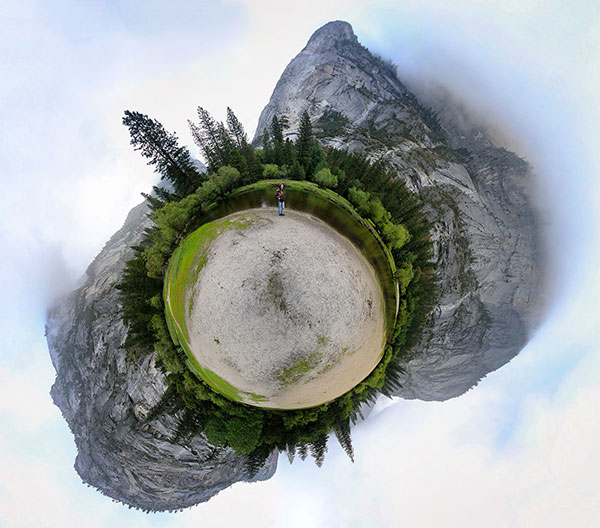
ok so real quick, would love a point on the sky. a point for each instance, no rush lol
(517, 450)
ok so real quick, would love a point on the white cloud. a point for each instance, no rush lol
(24, 400)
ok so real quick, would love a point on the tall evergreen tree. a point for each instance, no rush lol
(167, 402)
(276, 131)
(303, 451)
(318, 448)
(154, 202)
(278, 144)
(210, 138)
(236, 129)
(305, 141)
(342, 433)
(228, 147)
(255, 169)
(171, 161)
(136, 287)
(251, 169)
(164, 194)
(256, 460)
(266, 147)
(289, 153)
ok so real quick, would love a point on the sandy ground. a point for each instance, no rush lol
(287, 309)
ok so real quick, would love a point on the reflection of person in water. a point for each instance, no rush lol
(280, 195)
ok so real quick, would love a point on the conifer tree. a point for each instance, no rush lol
(254, 167)
(290, 451)
(276, 131)
(316, 161)
(256, 460)
(136, 287)
(289, 153)
(318, 448)
(278, 145)
(266, 147)
(297, 171)
(171, 161)
(211, 139)
(226, 143)
(153, 201)
(302, 451)
(305, 141)
(164, 194)
(236, 129)
(166, 403)
(342, 433)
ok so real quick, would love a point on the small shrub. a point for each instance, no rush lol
(359, 199)
(272, 171)
(326, 179)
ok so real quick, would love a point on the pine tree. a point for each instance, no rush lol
(171, 161)
(226, 143)
(237, 130)
(255, 170)
(394, 374)
(154, 202)
(267, 148)
(316, 162)
(278, 145)
(290, 451)
(188, 425)
(297, 171)
(302, 451)
(256, 460)
(136, 288)
(276, 131)
(342, 433)
(289, 153)
(305, 141)
(166, 403)
(165, 195)
(318, 448)
(211, 138)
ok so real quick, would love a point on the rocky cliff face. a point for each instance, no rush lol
(477, 196)
(105, 398)
(487, 252)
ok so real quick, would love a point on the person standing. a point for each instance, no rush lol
(280, 195)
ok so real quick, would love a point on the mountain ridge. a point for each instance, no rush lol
(478, 196)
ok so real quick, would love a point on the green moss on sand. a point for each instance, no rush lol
(185, 265)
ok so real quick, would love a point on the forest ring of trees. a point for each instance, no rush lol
(190, 257)
(374, 193)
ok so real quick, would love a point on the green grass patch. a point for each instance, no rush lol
(184, 266)
(298, 367)
(322, 340)
(182, 274)
(254, 397)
